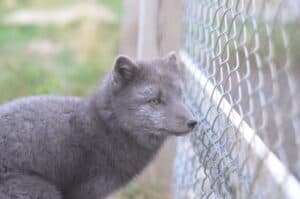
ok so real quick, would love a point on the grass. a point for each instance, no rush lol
(114, 5)
(88, 50)
(138, 191)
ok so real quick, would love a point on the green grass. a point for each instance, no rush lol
(86, 56)
(139, 191)
(115, 5)
(18, 81)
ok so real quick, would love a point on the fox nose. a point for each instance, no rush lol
(191, 124)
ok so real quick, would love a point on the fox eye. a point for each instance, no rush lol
(155, 101)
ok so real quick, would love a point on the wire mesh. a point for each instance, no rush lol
(239, 59)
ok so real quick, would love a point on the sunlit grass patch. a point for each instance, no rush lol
(140, 191)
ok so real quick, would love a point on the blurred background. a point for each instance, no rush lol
(56, 46)
(65, 47)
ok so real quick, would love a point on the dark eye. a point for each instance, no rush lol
(154, 101)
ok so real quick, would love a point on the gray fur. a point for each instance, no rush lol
(75, 148)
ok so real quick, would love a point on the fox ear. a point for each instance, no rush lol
(171, 57)
(124, 69)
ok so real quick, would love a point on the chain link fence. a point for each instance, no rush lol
(240, 60)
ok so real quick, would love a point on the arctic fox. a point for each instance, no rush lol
(86, 148)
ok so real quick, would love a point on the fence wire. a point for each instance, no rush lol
(240, 62)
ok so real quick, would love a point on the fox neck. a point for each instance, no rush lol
(131, 151)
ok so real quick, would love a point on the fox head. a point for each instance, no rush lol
(147, 97)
